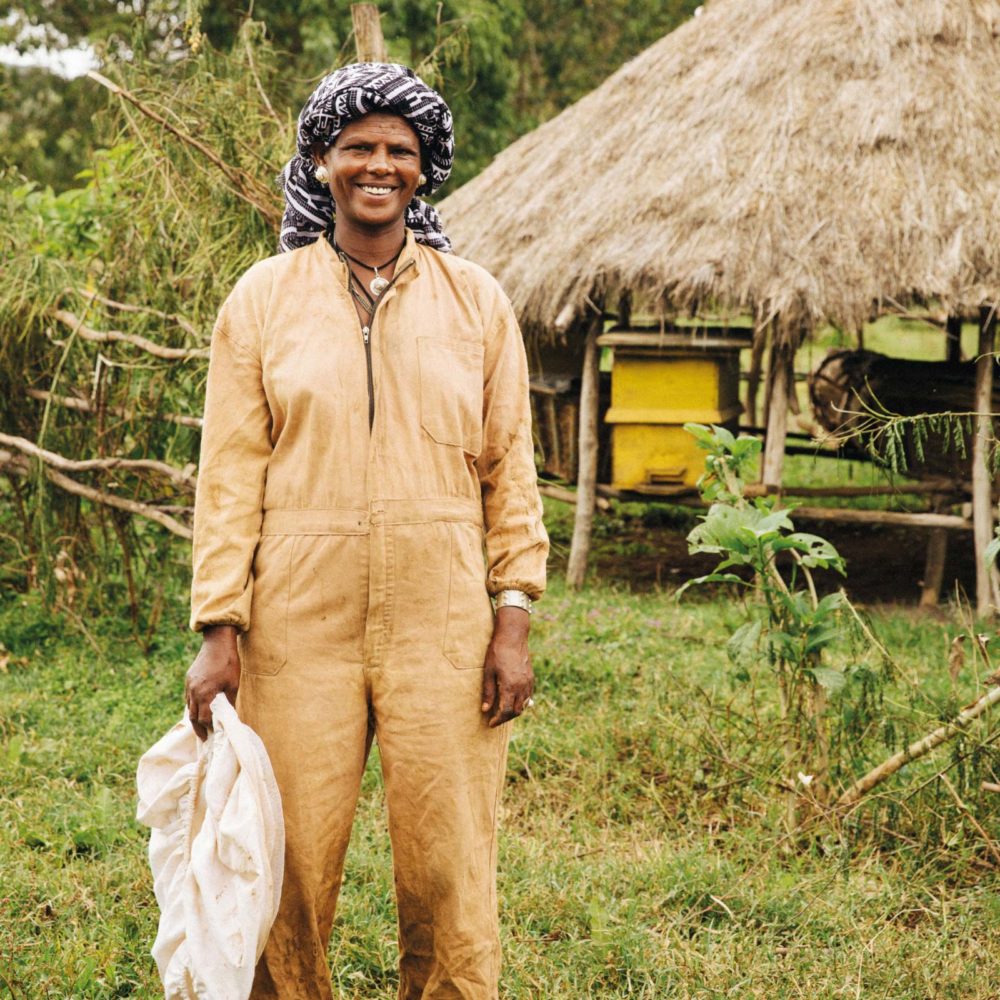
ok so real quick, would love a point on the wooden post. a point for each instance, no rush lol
(982, 476)
(937, 553)
(368, 39)
(953, 339)
(753, 375)
(777, 416)
(586, 484)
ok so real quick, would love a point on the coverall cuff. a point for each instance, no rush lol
(532, 589)
(199, 625)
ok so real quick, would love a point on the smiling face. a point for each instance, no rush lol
(374, 168)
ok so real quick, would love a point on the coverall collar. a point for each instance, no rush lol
(407, 266)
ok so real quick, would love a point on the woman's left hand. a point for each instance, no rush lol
(508, 679)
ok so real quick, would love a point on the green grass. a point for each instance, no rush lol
(641, 850)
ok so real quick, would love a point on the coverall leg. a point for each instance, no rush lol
(442, 764)
(408, 657)
(303, 690)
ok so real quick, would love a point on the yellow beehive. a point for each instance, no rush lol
(654, 392)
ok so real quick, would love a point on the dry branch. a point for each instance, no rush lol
(17, 465)
(185, 478)
(852, 516)
(247, 187)
(920, 748)
(186, 325)
(569, 496)
(85, 406)
(81, 329)
(967, 813)
(931, 486)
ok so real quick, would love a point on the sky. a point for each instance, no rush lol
(65, 61)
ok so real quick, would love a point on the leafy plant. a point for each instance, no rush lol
(789, 626)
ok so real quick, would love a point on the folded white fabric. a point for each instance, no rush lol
(217, 853)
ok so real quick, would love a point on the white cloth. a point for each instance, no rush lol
(217, 853)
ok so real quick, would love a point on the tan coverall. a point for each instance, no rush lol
(346, 483)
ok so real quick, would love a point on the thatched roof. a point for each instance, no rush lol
(808, 160)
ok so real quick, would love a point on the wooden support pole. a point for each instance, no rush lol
(953, 339)
(368, 38)
(937, 553)
(753, 376)
(777, 418)
(586, 486)
(982, 476)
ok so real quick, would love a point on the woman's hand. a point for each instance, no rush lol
(508, 679)
(216, 668)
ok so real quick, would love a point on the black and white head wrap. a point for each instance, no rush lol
(345, 96)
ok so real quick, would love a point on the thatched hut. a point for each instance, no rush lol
(801, 161)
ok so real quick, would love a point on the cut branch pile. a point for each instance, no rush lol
(20, 466)
(109, 291)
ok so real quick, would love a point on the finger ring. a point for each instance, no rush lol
(530, 703)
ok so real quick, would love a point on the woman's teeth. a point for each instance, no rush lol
(368, 189)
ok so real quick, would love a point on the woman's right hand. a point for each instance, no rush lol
(216, 669)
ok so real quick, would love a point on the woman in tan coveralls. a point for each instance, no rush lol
(366, 427)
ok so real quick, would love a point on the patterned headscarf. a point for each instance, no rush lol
(341, 98)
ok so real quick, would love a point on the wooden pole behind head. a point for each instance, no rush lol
(368, 38)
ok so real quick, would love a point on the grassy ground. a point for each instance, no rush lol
(642, 853)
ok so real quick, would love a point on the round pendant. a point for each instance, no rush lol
(378, 285)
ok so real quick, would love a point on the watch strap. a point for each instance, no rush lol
(513, 599)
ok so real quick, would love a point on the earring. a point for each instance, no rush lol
(421, 180)
(322, 174)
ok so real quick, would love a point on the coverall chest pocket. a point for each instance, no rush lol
(264, 647)
(451, 392)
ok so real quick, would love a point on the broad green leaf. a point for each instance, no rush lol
(772, 522)
(721, 531)
(711, 578)
(784, 646)
(819, 637)
(702, 434)
(832, 602)
(724, 437)
(746, 448)
(827, 677)
(742, 645)
(817, 552)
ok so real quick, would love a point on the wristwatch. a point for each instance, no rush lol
(513, 599)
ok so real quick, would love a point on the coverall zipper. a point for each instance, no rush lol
(366, 336)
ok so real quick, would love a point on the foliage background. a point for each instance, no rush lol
(504, 65)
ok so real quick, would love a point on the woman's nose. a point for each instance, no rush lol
(379, 162)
